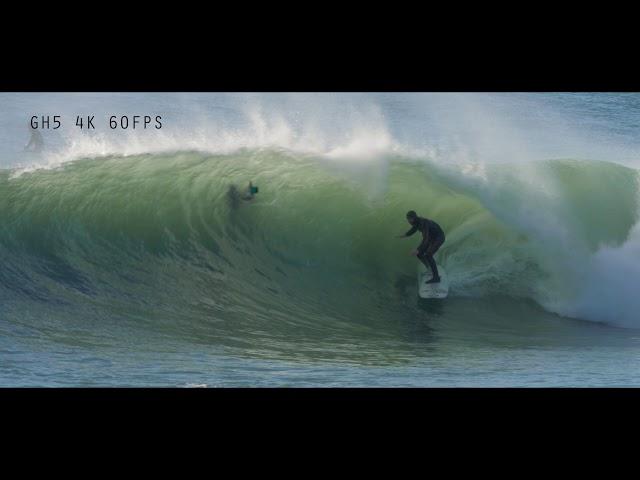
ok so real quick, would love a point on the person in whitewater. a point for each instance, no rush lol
(36, 142)
(432, 240)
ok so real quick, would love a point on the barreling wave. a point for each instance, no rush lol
(167, 239)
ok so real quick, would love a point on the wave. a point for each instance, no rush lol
(167, 239)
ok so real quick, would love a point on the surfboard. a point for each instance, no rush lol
(432, 290)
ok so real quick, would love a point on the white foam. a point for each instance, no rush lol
(362, 138)
(609, 290)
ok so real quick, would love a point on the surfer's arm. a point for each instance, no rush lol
(413, 230)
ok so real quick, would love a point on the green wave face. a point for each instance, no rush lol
(168, 241)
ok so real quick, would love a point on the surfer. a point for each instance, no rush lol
(35, 142)
(234, 195)
(251, 191)
(432, 240)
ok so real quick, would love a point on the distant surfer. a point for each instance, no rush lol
(432, 240)
(251, 191)
(234, 196)
(36, 142)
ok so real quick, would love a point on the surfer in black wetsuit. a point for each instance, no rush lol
(432, 239)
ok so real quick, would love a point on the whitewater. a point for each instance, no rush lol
(129, 257)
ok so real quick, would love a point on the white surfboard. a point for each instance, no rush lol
(432, 290)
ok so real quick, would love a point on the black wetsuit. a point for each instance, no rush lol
(432, 238)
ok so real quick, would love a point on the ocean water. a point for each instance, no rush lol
(129, 258)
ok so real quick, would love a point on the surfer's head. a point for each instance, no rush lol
(411, 216)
